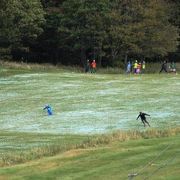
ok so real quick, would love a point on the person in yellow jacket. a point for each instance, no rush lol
(135, 67)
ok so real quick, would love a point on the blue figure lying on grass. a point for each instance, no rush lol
(49, 109)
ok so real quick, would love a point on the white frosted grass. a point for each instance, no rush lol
(29, 75)
(67, 85)
(92, 121)
(7, 82)
(162, 114)
(107, 92)
(8, 95)
(86, 103)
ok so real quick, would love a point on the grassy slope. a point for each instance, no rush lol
(16, 148)
(86, 103)
(152, 93)
(114, 161)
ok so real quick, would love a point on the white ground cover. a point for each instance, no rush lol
(87, 103)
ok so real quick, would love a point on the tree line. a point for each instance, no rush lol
(71, 31)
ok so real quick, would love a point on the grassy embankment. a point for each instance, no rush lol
(82, 156)
(18, 148)
(107, 157)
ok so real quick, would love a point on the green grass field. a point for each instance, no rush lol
(86, 103)
(150, 159)
(85, 106)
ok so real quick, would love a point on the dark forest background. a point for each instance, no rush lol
(69, 32)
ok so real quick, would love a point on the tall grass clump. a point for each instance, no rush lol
(11, 68)
(27, 66)
(35, 153)
(129, 135)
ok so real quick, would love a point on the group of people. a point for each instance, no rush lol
(136, 67)
(90, 66)
(139, 67)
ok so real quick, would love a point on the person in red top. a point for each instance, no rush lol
(93, 66)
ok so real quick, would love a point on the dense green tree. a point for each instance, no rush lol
(124, 28)
(161, 36)
(20, 22)
(175, 20)
(140, 27)
(49, 42)
(74, 30)
(82, 25)
(174, 7)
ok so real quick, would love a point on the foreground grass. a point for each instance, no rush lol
(18, 148)
(156, 158)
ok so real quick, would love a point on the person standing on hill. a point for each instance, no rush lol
(93, 66)
(164, 67)
(128, 68)
(143, 118)
(87, 68)
(135, 66)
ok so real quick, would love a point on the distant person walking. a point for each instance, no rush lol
(135, 66)
(164, 67)
(143, 118)
(128, 68)
(93, 66)
(87, 68)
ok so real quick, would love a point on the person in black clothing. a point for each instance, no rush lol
(164, 67)
(143, 118)
(87, 68)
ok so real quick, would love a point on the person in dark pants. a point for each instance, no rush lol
(164, 67)
(128, 68)
(93, 66)
(143, 118)
(87, 68)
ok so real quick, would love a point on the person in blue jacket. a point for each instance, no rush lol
(49, 109)
(128, 68)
